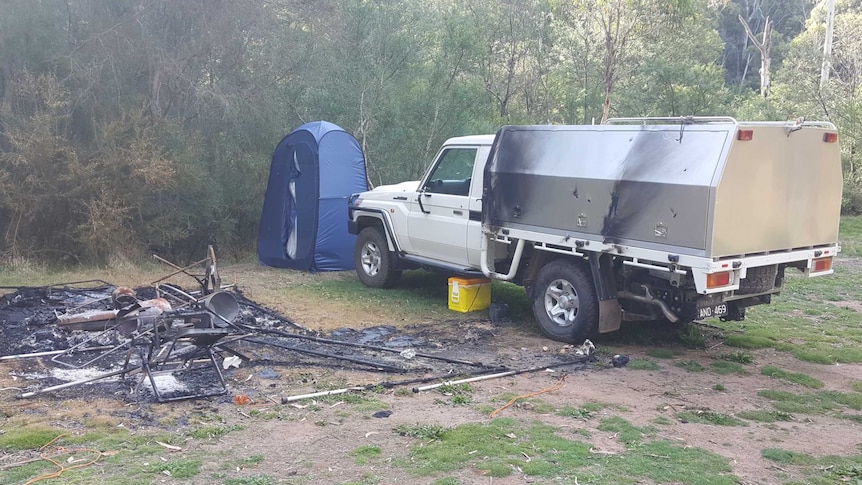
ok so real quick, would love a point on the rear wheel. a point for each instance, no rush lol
(374, 262)
(565, 302)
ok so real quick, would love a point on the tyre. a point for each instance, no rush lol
(758, 280)
(565, 302)
(374, 262)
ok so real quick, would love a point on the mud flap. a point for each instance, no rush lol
(610, 312)
(610, 315)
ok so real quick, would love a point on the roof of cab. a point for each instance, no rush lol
(471, 140)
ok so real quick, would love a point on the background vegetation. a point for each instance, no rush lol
(134, 126)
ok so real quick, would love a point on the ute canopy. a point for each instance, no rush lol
(304, 221)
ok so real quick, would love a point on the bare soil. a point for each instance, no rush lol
(312, 441)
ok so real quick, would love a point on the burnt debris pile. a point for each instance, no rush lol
(163, 342)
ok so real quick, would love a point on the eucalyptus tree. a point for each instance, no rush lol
(680, 74)
(741, 56)
(622, 30)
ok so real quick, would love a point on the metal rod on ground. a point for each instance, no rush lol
(418, 380)
(364, 346)
(494, 376)
(77, 383)
(286, 400)
(52, 352)
(375, 365)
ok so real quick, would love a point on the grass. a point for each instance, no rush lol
(739, 357)
(817, 470)
(28, 438)
(253, 480)
(625, 431)
(724, 367)
(179, 468)
(691, 365)
(709, 417)
(421, 431)
(802, 379)
(214, 431)
(769, 416)
(502, 447)
(460, 394)
(126, 458)
(821, 402)
(364, 454)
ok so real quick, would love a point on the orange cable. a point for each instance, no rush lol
(555, 387)
(61, 451)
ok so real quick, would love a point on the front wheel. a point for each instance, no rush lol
(374, 262)
(565, 302)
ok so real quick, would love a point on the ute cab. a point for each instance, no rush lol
(436, 221)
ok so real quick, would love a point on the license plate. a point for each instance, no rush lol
(712, 311)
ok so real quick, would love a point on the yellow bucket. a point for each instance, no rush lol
(469, 294)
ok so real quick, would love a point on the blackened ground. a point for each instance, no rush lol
(263, 338)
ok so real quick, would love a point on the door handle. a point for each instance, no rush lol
(457, 212)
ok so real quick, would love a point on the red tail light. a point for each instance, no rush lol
(830, 137)
(744, 135)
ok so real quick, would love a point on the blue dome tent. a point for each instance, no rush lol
(304, 221)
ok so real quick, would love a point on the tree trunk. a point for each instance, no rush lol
(764, 47)
(827, 44)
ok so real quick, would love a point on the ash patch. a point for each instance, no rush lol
(385, 335)
(28, 315)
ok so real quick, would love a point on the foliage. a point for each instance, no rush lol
(143, 126)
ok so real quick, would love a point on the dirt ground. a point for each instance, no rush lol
(311, 442)
(308, 444)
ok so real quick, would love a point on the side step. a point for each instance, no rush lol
(448, 267)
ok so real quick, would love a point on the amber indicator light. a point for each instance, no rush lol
(822, 264)
(716, 280)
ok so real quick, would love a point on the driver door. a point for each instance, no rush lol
(440, 211)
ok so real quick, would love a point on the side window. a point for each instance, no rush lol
(452, 173)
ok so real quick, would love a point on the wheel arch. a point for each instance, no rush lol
(538, 260)
(369, 218)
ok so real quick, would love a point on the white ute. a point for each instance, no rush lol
(642, 218)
